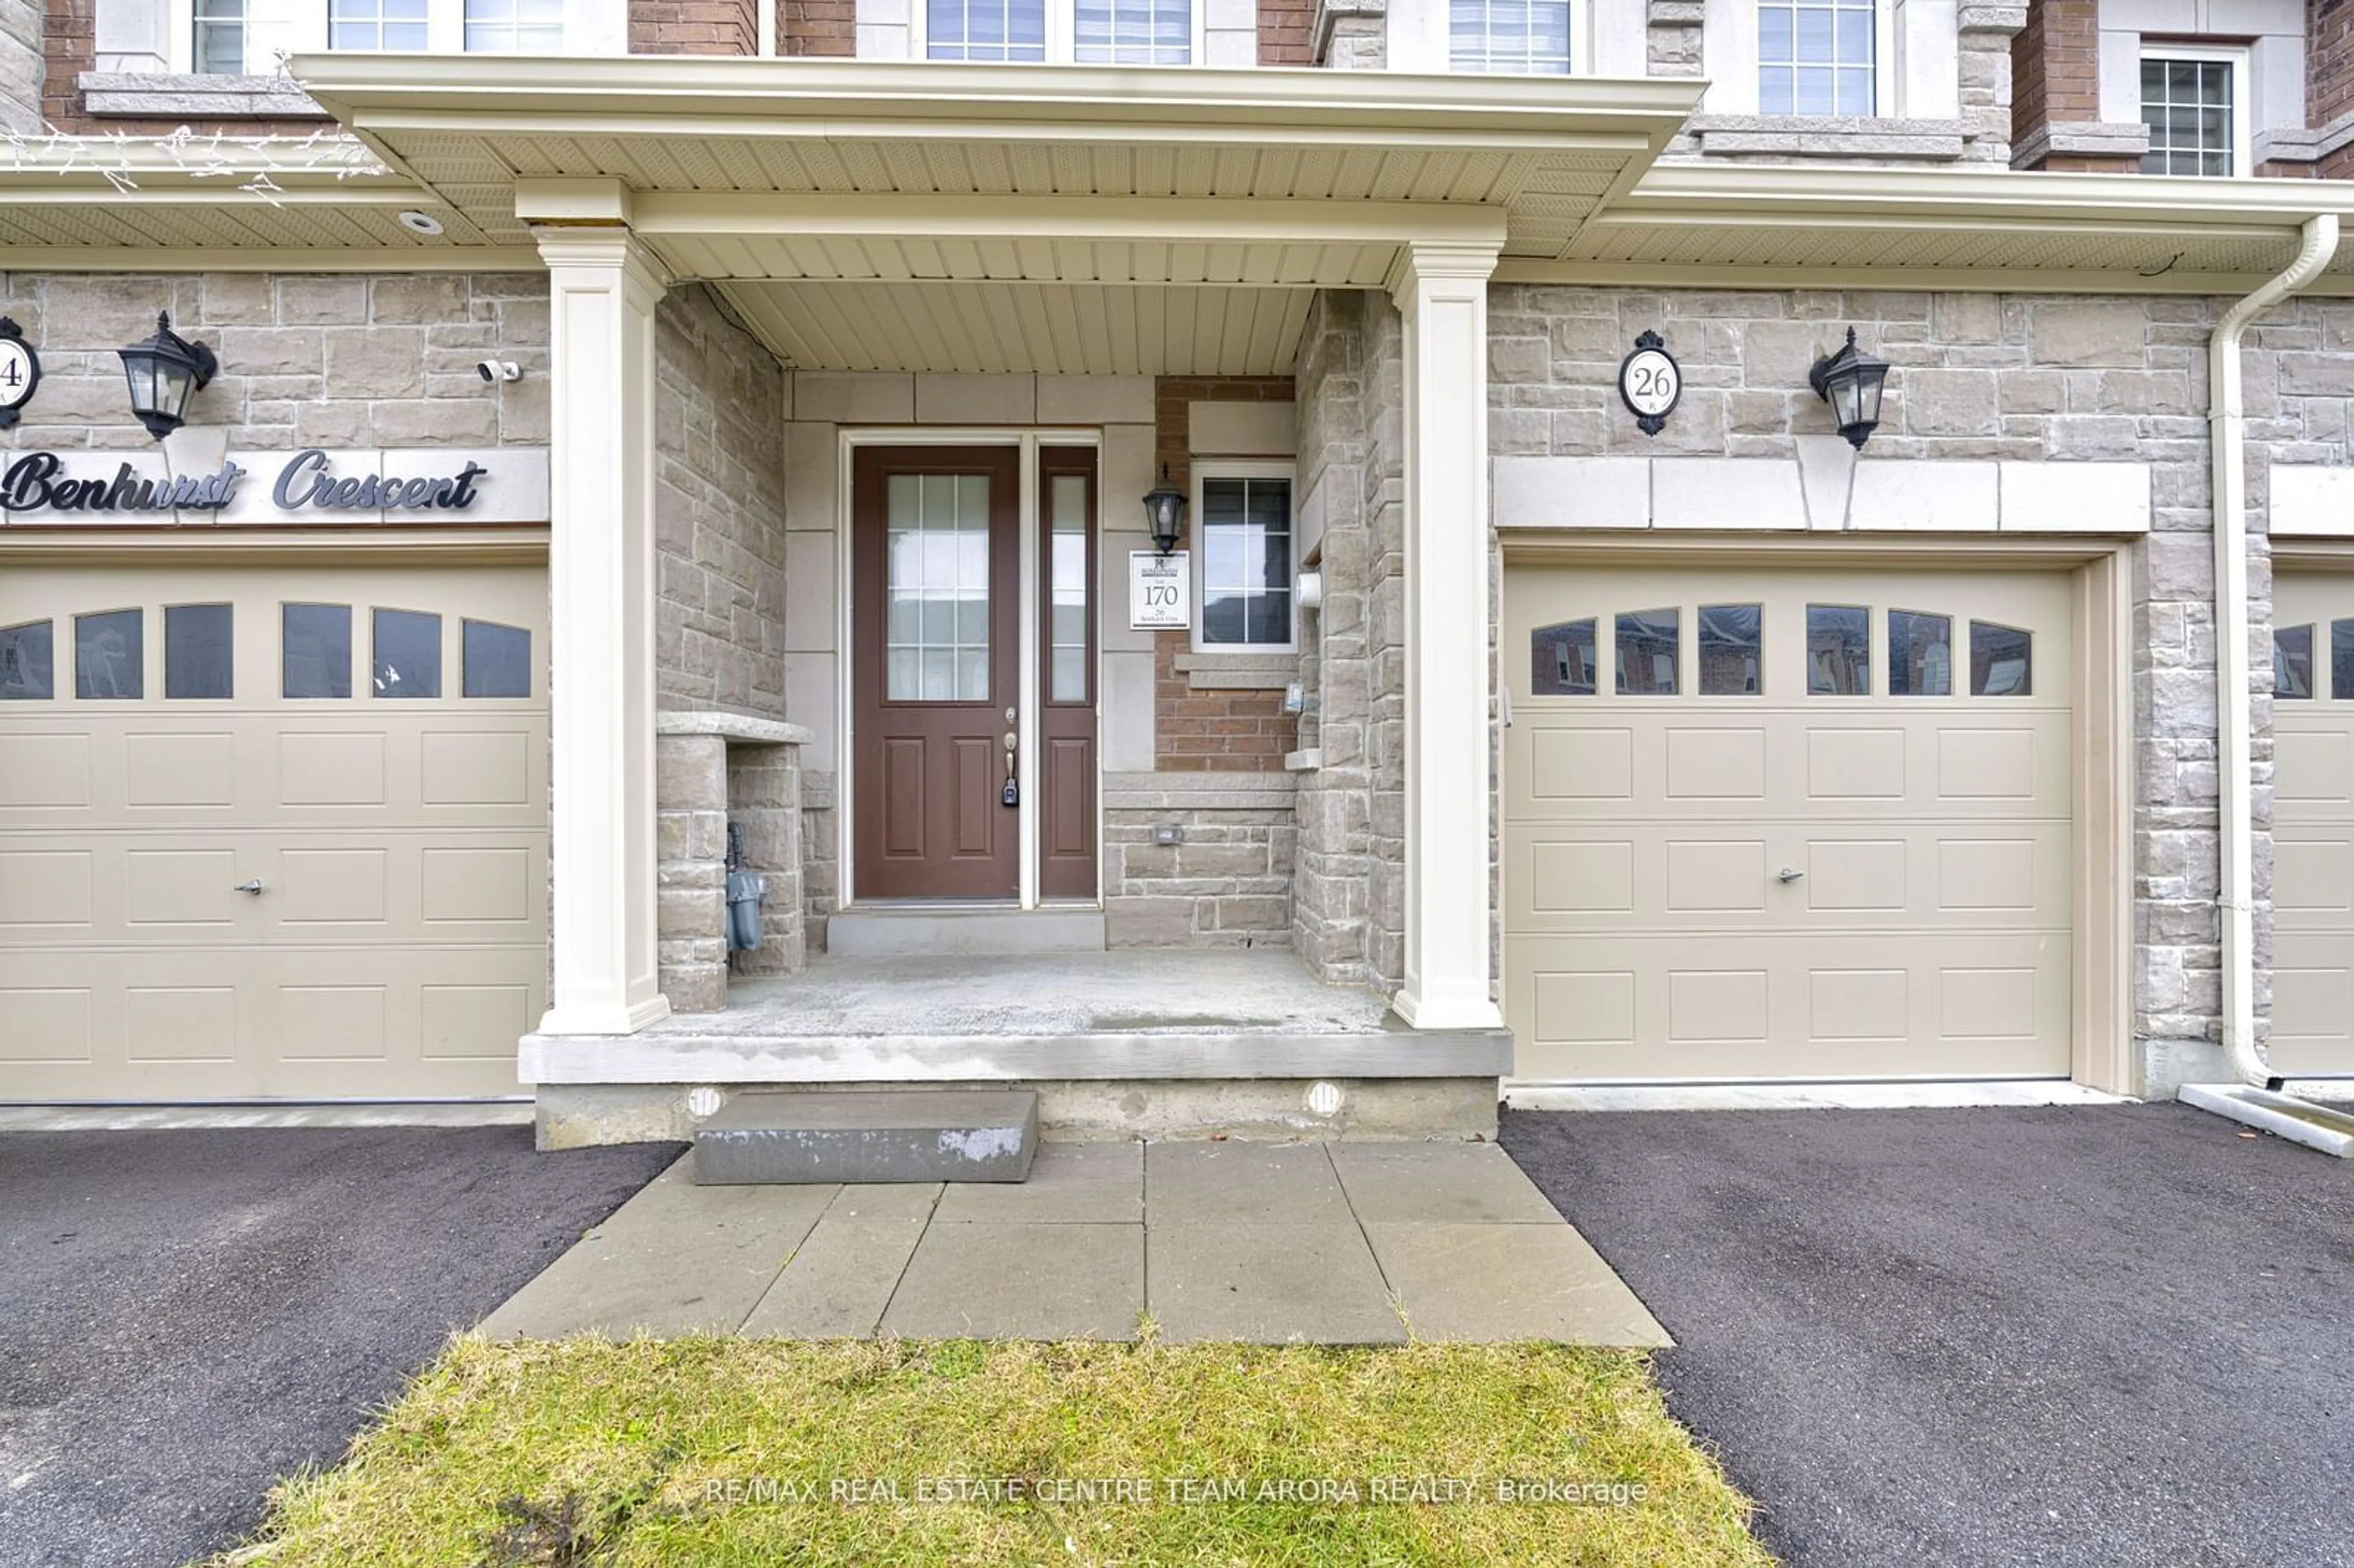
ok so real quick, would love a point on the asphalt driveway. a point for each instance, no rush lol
(2114, 1334)
(185, 1316)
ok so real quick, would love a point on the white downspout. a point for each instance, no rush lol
(2226, 424)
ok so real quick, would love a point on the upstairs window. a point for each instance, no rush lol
(376, 24)
(1528, 36)
(1815, 57)
(996, 30)
(218, 38)
(2191, 102)
(1086, 32)
(515, 27)
(1134, 32)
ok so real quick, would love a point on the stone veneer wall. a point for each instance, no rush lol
(335, 360)
(22, 69)
(1672, 33)
(1227, 882)
(1349, 896)
(719, 511)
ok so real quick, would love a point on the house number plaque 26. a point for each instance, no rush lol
(1649, 382)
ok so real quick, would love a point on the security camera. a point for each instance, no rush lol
(499, 370)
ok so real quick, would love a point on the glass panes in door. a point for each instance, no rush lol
(1838, 650)
(1068, 528)
(936, 588)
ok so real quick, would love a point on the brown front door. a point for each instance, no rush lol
(935, 617)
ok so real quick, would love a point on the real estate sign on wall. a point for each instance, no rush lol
(1158, 590)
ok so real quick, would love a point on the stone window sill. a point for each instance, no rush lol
(1238, 671)
(2298, 144)
(192, 97)
(1830, 136)
(2081, 139)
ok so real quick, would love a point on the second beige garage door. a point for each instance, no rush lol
(1769, 823)
(2313, 824)
(271, 832)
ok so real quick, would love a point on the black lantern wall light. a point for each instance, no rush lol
(1164, 513)
(164, 371)
(1850, 382)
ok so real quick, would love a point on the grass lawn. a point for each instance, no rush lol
(701, 1452)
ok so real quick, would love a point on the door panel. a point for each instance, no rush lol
(935, 615)
(1757, 826)
(2313, 825)
(1066, 713)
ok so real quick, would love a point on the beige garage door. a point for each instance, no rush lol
(1777, 824)
(271, 832)
(2313, 825)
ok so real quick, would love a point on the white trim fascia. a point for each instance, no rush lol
(709, 95)
(275, 259)
(1958, 280)
(658, 215)
(1671, 192)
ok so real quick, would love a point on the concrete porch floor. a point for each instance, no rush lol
(1126, 991)
(1338, 1243)
(1132, 1043)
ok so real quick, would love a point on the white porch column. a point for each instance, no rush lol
(602, 289)
(1442, 292)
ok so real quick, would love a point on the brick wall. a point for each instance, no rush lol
(2329, 75)
(1287, 32)
(814, 28)
(719, 508)
(2055, 79)
(695, 27)
(1209, 731)
(306, 360)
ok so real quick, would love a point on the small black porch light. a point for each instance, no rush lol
(1164, 513)
(164, 372)
(1850, 382)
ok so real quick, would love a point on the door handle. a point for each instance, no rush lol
(251, 886)
(1788, 874)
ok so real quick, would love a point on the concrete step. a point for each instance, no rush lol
(912, 1135)
(933, 932)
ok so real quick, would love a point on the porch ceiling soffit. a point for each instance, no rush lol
(1909, 228)
(744, 133)
(1057, 328)
(129, 204)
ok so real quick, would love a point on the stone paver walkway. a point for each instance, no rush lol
(1340, 1243)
